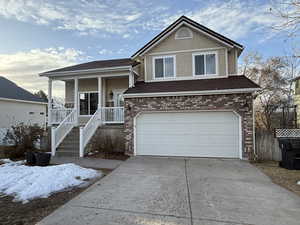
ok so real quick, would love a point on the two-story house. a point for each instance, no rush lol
(179, 95)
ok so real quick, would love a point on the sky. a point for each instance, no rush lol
(41, 35)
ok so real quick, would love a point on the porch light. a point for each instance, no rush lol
(111, 95)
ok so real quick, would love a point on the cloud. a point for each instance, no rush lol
(235, 19)
(105, 51)
(24, 67)
(126, 18)
(86, 16)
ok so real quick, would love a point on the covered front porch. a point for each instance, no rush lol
(87, 96)
(93, 97)
(91, 101)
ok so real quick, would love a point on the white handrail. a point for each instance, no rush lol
(60, 132)
(88, 130)
(58, 115)
(113, 114)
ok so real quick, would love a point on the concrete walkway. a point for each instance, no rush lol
(94, 163)
(175, 191)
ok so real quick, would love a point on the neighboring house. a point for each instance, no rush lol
(19, 106)
(296, 99)
(179, 95)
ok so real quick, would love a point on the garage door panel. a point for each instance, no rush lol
(199, 134)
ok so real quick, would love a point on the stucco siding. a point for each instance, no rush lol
(297, 103)
(183, 50)
(12, 113)
(198, 41)
(232, 62)
(91, 84)
(115, 84)
(184, 64)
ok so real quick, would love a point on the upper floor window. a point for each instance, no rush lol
(164, 67)
(183, 33)
(205, 63)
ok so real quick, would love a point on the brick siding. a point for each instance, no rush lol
(240, 103)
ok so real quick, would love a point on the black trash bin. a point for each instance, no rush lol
(30, 158)
(42, 158)
(290, 152)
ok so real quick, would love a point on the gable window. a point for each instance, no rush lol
(183, 33)
(164, 67)
(205, 63)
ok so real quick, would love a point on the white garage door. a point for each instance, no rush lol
(196, 134)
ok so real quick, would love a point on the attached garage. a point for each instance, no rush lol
(195, 134)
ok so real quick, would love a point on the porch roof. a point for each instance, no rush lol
(230, 83)
(94, 65)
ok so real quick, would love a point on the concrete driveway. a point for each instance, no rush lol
(177, 191)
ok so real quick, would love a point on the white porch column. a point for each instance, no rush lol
(76, 99)
(49, 101)
(103, 93)
(99, 92)
(131, 78)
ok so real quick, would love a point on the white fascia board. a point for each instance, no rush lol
(78, 72)
(23, 101)
(188, 93)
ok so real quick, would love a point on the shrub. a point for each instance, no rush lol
(23, 137)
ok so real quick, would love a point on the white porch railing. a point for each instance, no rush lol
(88, 130)
(58, 115)
(59, 133)
(113, 114)
(103, 115)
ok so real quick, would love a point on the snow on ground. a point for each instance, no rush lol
(298, 182)
(29, 182)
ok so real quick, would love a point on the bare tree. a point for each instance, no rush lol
(288, 12)
(41, 94)
(270, 75)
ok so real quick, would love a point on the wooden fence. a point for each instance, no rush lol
(266, 145)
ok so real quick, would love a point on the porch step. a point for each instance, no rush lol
(70, 145)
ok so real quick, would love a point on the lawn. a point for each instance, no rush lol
(283, 177)
(28, 194)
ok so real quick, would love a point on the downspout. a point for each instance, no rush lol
(254, 142)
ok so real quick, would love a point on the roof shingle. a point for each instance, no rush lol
(232, 82)
(96, 65)
(10, 90)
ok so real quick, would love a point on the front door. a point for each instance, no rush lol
(88, 103)
(118, 102)
(118, 98)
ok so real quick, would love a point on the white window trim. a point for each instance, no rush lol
(189, 37)
(163, 57)
(206, 53)
(89, 104)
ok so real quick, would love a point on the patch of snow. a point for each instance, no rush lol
(26, 183)
(12, 163)
(6, 161)
(298, 182)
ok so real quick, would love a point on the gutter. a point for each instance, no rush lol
(23, 101)
(188, 93)
(69, 73)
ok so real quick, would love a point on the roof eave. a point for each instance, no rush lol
(188, 93)
(177, 24)
(88, 71)
(23, 101)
